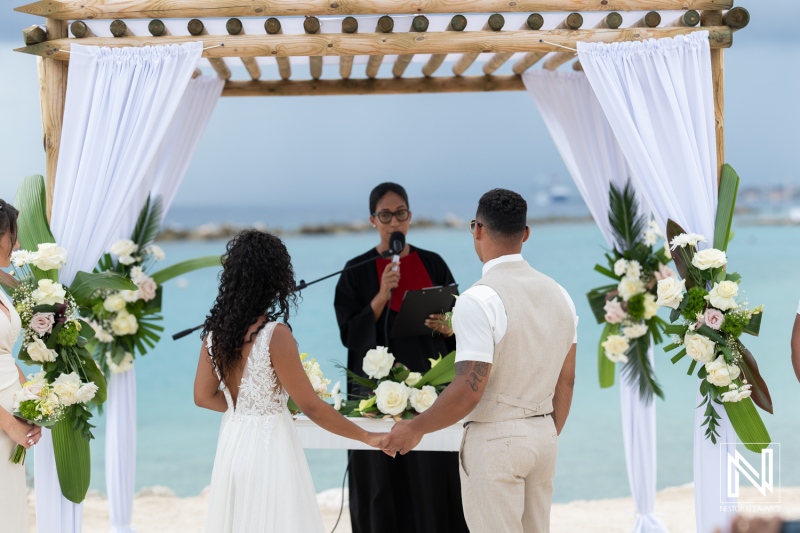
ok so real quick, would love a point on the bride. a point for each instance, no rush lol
(249, 365)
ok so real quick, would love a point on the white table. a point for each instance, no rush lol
(313, 436)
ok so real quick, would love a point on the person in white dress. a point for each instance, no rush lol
(13, 431)
(249, 365)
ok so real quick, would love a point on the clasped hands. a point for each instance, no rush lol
(402, 438)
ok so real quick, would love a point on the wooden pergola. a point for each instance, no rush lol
(549, 26)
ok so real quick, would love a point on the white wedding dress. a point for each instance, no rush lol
(261, 482)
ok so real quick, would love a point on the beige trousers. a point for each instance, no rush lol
(507, 471)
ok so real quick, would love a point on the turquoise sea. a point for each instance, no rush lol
(177, 441)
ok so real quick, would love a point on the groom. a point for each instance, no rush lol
(515, 369)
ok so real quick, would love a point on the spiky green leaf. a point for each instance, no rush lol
(184, 267)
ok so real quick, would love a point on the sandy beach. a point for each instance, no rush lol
(156, 510)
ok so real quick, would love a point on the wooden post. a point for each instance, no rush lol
(689, 19)
(34, 35)
(311, 25)
(534, 22)
(495, 23)
(714, 18)
(53, 94)
(349, 25)
(611, 21)
(234, 27)
(197, 28)
(273, 27)
(457, 23)
(419, 24)
(120, 29)
(157, 28)
(385, 25)
(573, 22)
(651, 20)
(577, 67)
(80, 30)
(737, 18)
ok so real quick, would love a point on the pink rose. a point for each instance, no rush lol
(713, 318)
(664, 272)
(614, 312)
(42, 323)
(147, 289)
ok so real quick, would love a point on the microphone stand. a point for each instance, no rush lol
(298, 287)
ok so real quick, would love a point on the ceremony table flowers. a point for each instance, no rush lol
(709, 315)
(627, 308)
(396, 391)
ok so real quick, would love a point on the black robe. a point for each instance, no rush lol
(415, 493)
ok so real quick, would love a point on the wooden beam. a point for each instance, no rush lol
(138, 9)
(611, 21)
(495, 23)
(349, 25)
(573, 22)
(53, 94)
(80, 30)
(718, 80)
(273, 27)
(120, 29)
(386, 44)
(157, 28)
(533, 22)
(311, 26)
(235, 27)
(385, 25)
(196, 29)
(651, 20)
(457, 23)
(419, 24)
(34, 35)
(438, 84)
(737, 18)
(689, 19)
(577, 67)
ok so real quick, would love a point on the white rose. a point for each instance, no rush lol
(620, 267)
(124, 324)
(49, 293)
(127, 259)
(147, 288)
(721, 373)
(129, 296)
(710, 258)
(114, 303)
(124, 365)
(156, 252)
(66, 386)
(722, 295)
(50, 256)
(699, 347)
(422, 399)
(86, 392)
(670, 292)
(635, 331)
(650, 307)
(413, 378)
(137, 273)
(392, 397)
(615, 347)
(378, 362)
(634, 270)
(630, 287)
(124, 247)
(39, 352)
(20, 258)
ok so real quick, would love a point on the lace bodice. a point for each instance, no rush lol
(260, 393)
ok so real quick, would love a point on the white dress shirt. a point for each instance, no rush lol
(480, 321)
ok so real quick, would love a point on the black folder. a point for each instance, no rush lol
(418, 306)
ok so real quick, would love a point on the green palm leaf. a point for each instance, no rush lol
(638, 370)
(627, 224)
(149, 222)
(73, 463)
(184, 267)
(31, 201)
(85, 283)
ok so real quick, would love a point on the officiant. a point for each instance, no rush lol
(419, 492)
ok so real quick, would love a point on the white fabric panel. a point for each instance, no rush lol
(590, 151)
(118, 105)
(658, 97)
(313, 436)
(164, 177)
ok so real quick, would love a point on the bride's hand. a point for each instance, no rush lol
(23, 433)
(374, 440)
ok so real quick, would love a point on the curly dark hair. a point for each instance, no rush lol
(504, 214)
(8, 221)
(257, 280)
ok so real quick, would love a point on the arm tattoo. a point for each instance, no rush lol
(463, 368)
(476, 371)
(481, 368)
(473, 381)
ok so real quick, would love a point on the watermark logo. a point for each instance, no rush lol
(753, 479)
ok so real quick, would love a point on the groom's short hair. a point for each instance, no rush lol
(503, 213)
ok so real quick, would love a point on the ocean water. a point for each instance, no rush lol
(176, 440)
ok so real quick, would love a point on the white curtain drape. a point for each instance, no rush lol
(164, 177)
(593, 157)
(118, 106)
(658, 97)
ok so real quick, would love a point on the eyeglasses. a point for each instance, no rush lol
(473, 223)
(386, 216)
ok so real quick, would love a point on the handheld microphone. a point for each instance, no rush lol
(397, 241)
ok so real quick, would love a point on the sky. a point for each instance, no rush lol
(322, 151)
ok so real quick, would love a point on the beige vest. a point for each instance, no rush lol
(528, 361)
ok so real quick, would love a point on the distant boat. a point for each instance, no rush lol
(559, 194)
